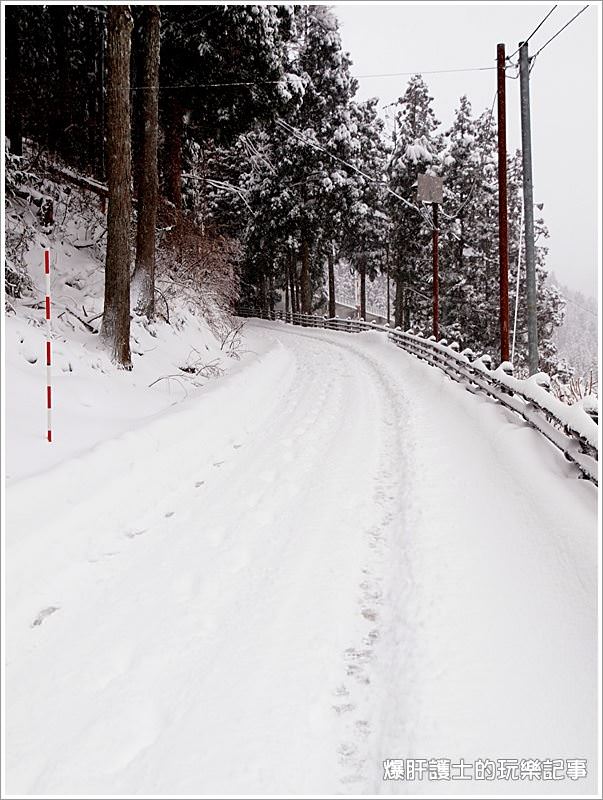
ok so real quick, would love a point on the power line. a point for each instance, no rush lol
(203, 85)
(423, 72)
(299, 135)
(274, 83)
(537, 28)
(582, 308)
(560, 31)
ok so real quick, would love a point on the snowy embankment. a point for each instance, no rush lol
(92, 399)
(329, 557)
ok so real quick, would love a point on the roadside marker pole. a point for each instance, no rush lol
(48, 347)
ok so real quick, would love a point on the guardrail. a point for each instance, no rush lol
(573, 429)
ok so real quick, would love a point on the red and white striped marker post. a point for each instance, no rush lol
(48, 348)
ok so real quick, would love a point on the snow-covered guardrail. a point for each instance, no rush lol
(571, 428)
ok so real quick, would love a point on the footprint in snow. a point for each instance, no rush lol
(169, 514)
(46, 612)
(132, 534)
(218, 463)
(198, 484)
(343, 708)
(237, 446)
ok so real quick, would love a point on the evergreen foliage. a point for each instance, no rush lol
(266, 155)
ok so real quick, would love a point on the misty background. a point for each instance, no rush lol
(384, 39)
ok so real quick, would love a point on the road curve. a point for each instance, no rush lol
(332, 557)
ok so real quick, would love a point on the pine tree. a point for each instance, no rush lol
(224, 65)
(55, 83)
(549, 300)
(115, 330)
(298, 191)
(468, 259)
(144, 272)
(366, 223)
(317, 192)
(13, 85)
(416, 149)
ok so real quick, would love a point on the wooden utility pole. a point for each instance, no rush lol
(528, 206)
(503, 235)
(115, 329)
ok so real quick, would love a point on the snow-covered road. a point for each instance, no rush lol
(331, 557)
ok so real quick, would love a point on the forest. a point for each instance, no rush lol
(237, 160)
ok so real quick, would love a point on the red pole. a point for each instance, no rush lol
(503, 233)
(48, 347)
(436, 276)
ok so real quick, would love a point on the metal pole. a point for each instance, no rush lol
(528, 205)
(503, 233)
(436, 277)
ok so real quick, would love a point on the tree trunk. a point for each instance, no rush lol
(115, 330)
(331, 263)
(388, 285)
(60, 139)
(363, 292)
(461, 250)
(306, 289)
(14, 118)
(100, 104)
(262, 294)
(271, 293)
(144, 271)
(406, 295)
(294, 304)
(398, 304)
(287, 309)
(174, 134)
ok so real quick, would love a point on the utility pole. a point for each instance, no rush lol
(436, 276)
(528, 205)
(503, 231)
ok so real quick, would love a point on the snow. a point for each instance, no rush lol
(417, 152)
(329, 556)
(92, 399)
(535, 388)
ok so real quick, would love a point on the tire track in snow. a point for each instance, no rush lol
(378, 664)
(299, 576)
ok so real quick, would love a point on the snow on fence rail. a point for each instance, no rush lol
(573, 429)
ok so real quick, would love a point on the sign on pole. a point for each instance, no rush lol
(430, 189)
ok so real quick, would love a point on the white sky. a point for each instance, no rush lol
(384, 38)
